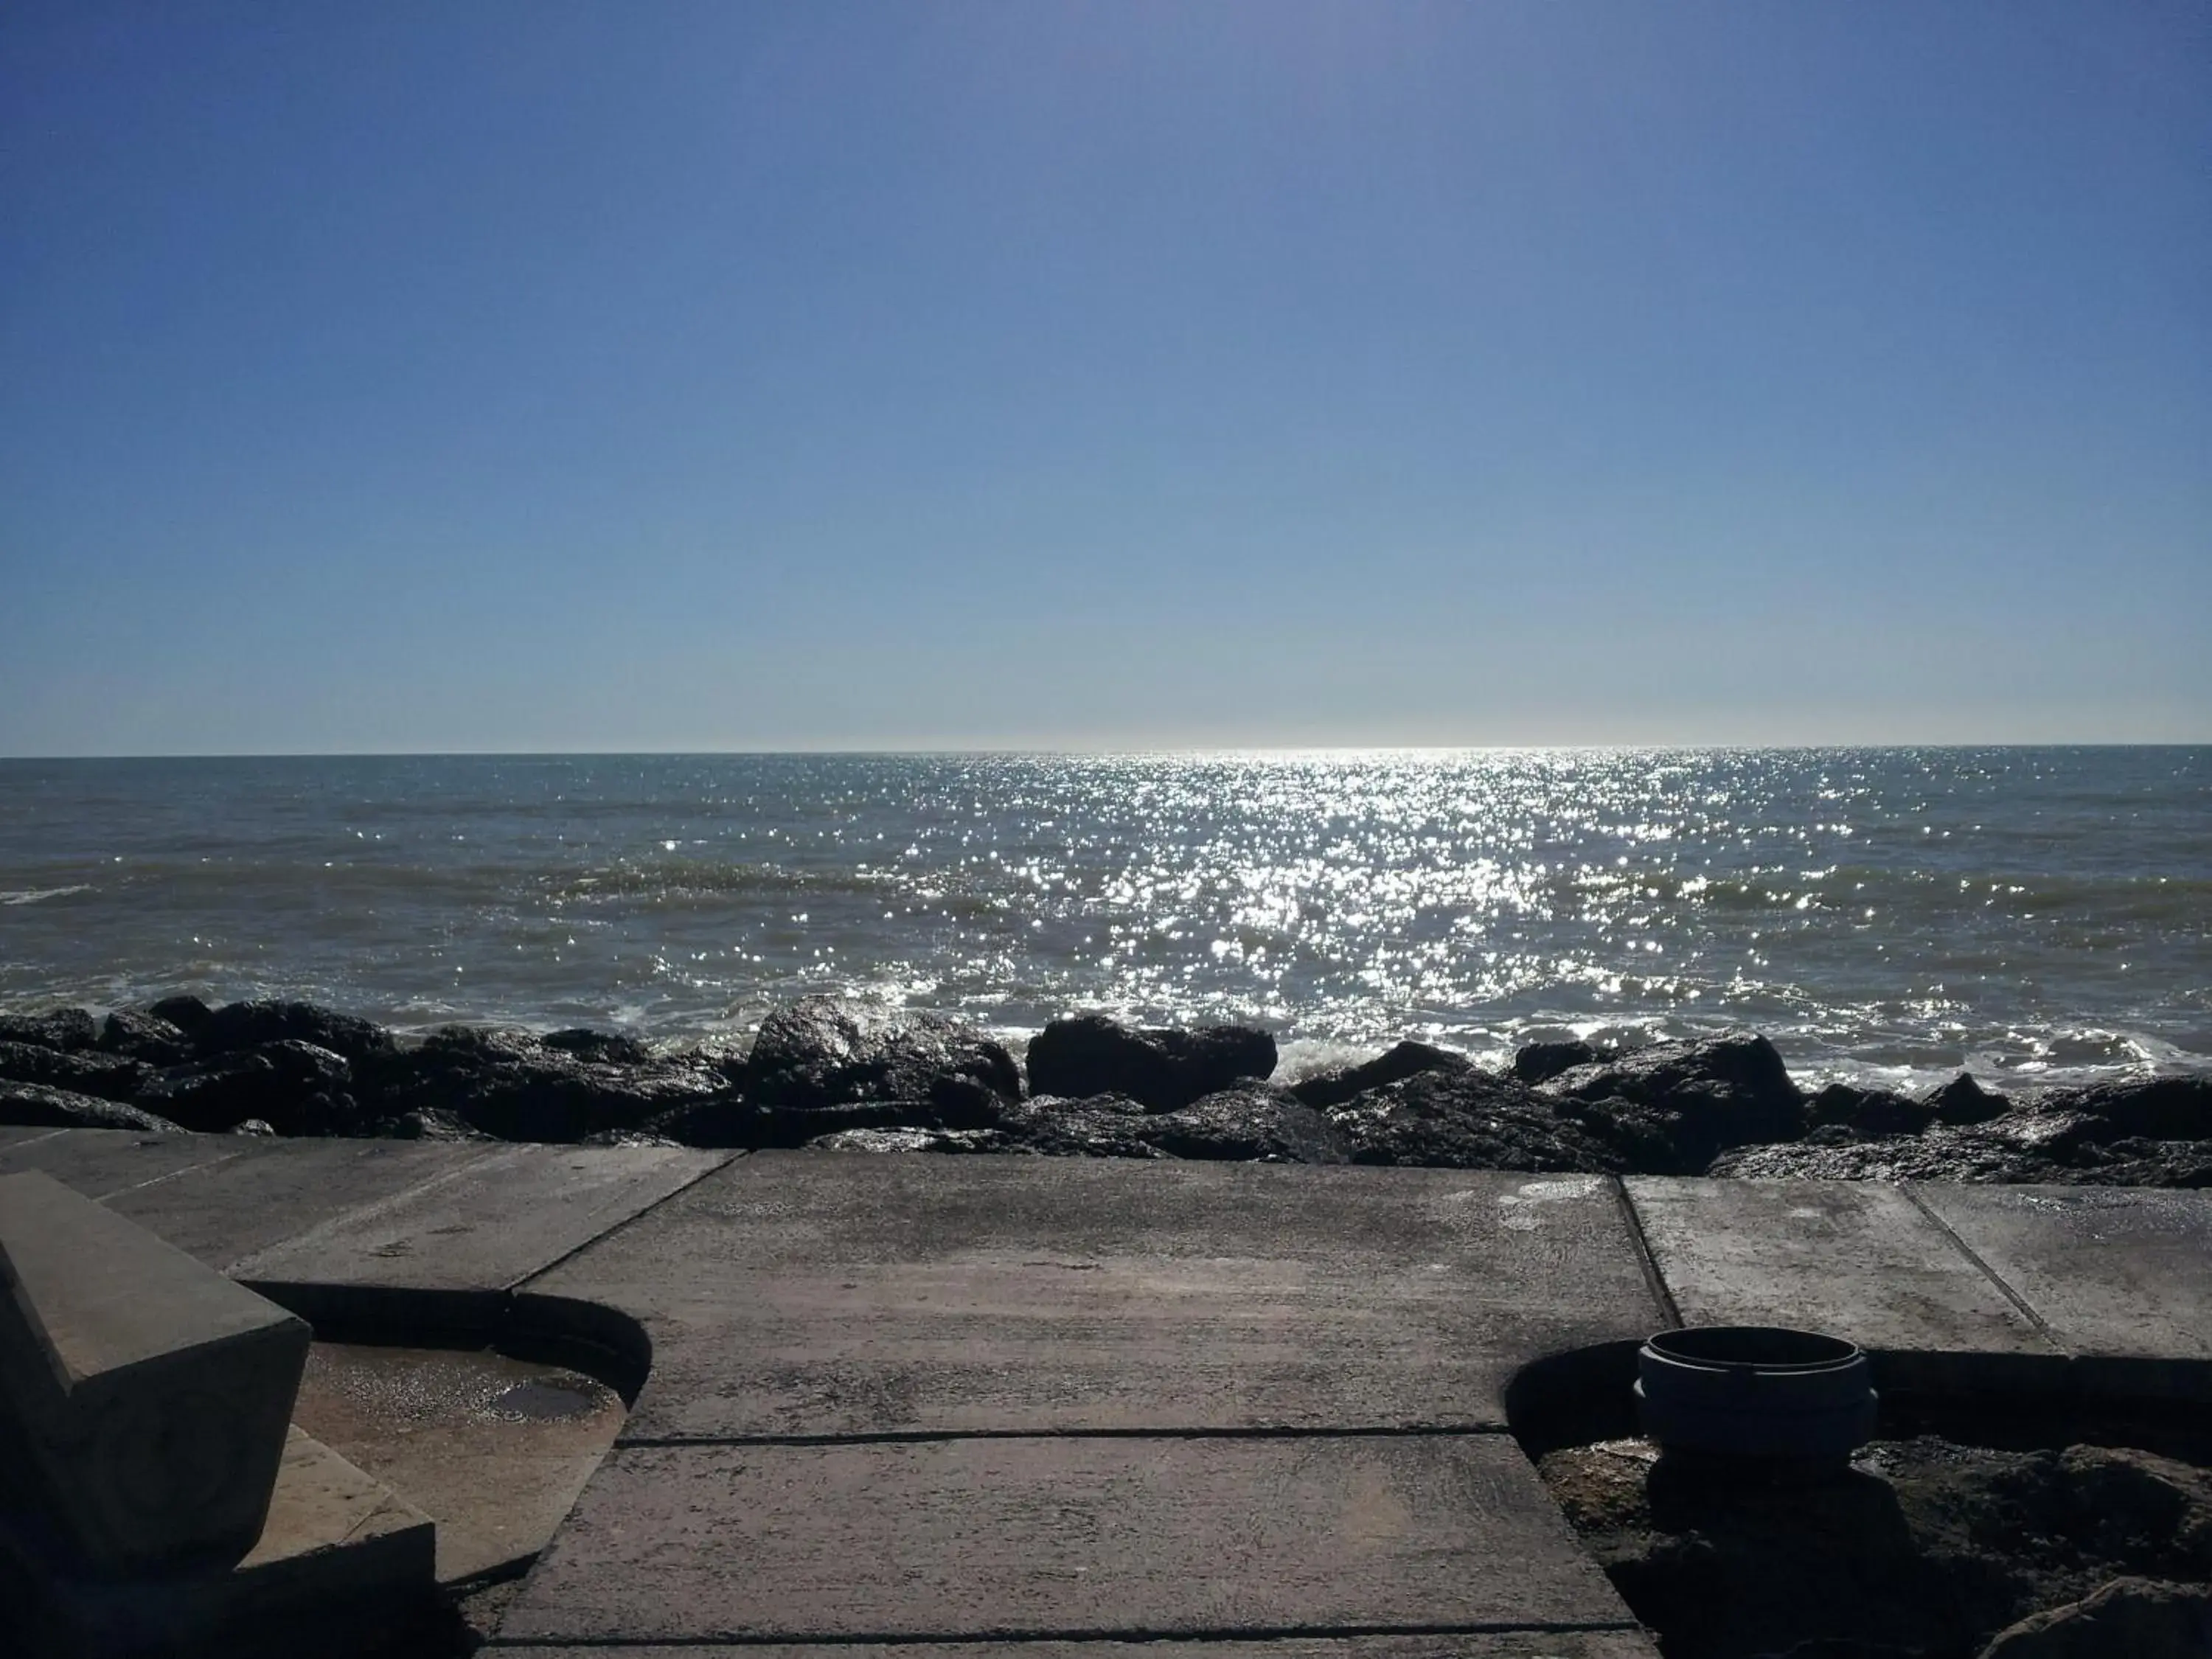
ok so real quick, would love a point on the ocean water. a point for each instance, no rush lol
(2035, 914)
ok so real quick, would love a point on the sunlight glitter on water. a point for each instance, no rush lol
(1871, 910)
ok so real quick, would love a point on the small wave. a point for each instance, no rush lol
(36, 895)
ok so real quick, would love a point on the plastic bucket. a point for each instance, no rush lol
(1755, 1391)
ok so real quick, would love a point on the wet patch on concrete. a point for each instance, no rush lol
(493, 1448)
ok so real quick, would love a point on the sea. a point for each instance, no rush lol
(2031, 915)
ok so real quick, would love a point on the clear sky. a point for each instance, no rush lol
(647, 375)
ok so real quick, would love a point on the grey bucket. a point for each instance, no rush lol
(1755, 1391)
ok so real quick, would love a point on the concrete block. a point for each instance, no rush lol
(2111, 1271)
(341, 1567)
(487, 1223)
(819, 1295)
(147, 1396)
(99, 1162)
(1062, 1536)
(1854, 1259)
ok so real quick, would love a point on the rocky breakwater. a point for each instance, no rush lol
(846, 1077)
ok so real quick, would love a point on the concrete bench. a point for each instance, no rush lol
(146, 1396)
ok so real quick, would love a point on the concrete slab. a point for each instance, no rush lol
(340, 1566)
(2110, 1272)
(100, 1162)
(147, 1394)
(822, 1295)
(1088, 1535)
(1458, 1645)
(486, 1225)
(224, 1212)
(1858, 1259)
(15, 1134)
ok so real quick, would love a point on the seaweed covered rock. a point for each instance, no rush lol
(2146, 1108)
(1409, 1059)
(824, 1052)
(1165, 1070)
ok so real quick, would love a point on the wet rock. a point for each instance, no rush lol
(910, 1140)
(257, 1128)
(1540, 1063)
(65, 1029)
(508, 1083)
(2035, 1146)
(1872, 1112)
(2141, 1618)
(1328, 1089)
(1725, 1092)
(428, 1124)
(238, 1025)
(298, 1087)
(2151, 1109)
(147, 1037)
(608, 1047)
(1962, 1101)
(79, 1071)
(1089, 1054)
(824, 1052)
(1471, 1120)
(32, 1105)
(187, 1013)
(1101, 1126)
(629, 1138)
(1253, 1123)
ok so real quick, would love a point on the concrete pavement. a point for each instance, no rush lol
(1039, 1407)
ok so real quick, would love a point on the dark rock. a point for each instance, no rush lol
(1962, 1101)
(1472, 1120)
(79, 1071)
(509, 1084)
(911, 1140)
(254, 1125)
(147, 1037)
(2140, 1617)
(1923, 1547)
(66, 1028)
(822, 1052)
(2154, 1107)
(1091, 1055)
(298, 1087)
(1254, 1123)
(239, 1025)
(628, 1138)
(2059, 1147)
(1540, 1063)
(1868, 1111)
(33, 1105)
(1409, 1059)
(607, 1047)
(429, 1124)
(1102, 1126)
(187, 1013)
(1730, 1090)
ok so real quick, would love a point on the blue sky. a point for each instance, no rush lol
(727, 376)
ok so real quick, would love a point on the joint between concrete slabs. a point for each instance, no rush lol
(1653, 1280)
(567, 1256)
(938, 1436)
(2042, 1329)
(1118, 1635)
